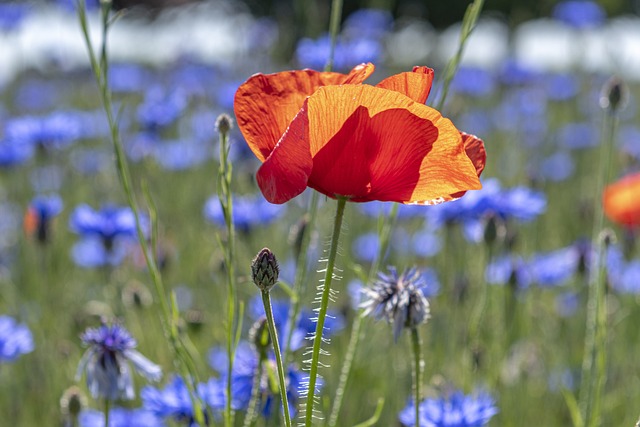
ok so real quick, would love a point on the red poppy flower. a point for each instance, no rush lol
(621, 201)
(361, 142)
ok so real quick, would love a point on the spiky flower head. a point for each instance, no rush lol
(106, 362)
(224, 123)
(265, 270)
(399, 299)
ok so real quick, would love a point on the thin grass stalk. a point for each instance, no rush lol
(594, 361)
(252, 408)
(334, 26)
(170, 329)
(266, 301)
(322, 313)
(226, 203)
(385, 226)
(468, 24)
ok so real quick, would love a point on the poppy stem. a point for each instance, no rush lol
(385, 226)
(266, 301)
(325, 286)
(417, 372)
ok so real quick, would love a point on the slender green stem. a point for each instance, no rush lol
(266, 300)
(106, 412)
(322, 313)
(417, 371)
(334, 26)
(226, 203)
(170, 328)
(385, 226)
(252, 409)
(594, 360)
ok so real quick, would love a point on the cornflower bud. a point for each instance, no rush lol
(264, 270)
(614, 95)
(224, 123)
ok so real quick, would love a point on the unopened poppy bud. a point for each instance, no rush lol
(615, 94)
(224, 123)
(259, 336)
(264, 270)
(72, 402)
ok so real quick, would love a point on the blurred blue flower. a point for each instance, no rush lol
(249, 212)
(41, 211)
(120, 417)
(70, 5)
(578, 135)
(580, 14)
(15, 339)
(111, 349)
(91, 252)
(54, 131)
(36, 95)
(90, 161)
(509, 270)
(14, 153)
(129, 78)
(475, 121)
(426, 243)
(454, 410)
(376, 208)
(12, 15)
(305, 326)
(159, 109)
(555, 168)
(624, 276)
(173, 401)
(368, 23)
(562, 87)
(555, 268)
(473, 81)
(245, 368)
(366, 246)
(628, 141)
(513, 73)
(181, 155)
(225, 94)
(398, 299)
(46, 178)
(348, 53)
(518, 108)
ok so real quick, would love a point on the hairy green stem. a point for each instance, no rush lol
(322, 313)
(266, 301)
(594, 359)
(385, 226)
(416, 346)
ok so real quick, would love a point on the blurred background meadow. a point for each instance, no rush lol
(530, 84)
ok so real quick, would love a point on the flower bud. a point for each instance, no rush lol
(264, 270)
(224, 123)
(72, 402)
(259, 336)
(615, 94)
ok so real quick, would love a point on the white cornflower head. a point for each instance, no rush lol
(397, 299)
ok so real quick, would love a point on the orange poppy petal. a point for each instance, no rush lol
(284, 174)
(474, 148)
(416, 85)
(368, 143)
(622, 201)
(265, 104)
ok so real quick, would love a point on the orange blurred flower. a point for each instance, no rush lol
(621, 201)
(356, 141)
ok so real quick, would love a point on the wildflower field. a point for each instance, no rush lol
(344, 218)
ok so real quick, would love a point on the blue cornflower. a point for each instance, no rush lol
(579, 13)
(562, 87)
(369, 23)
(578, 135)
(120, 417)
(159, 109)
(398, 299)
(514, 73)
(473, 81)
(41, 211)
(128, 78)
(106, 362)
(106, 234)
(556, 267)
(12, 15)
(624, 276)
(628, 141)
(509, 270)
(37, 95)
(555, 168)
(426, 242)
(455, 410)
(180, 155)
(15, 339)
(348, 53)
(90, 161)
(245, 368)
(248, 212)
(376, 208)
(55, 131)
(173, 401)
(304, 326)
(14, 153)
